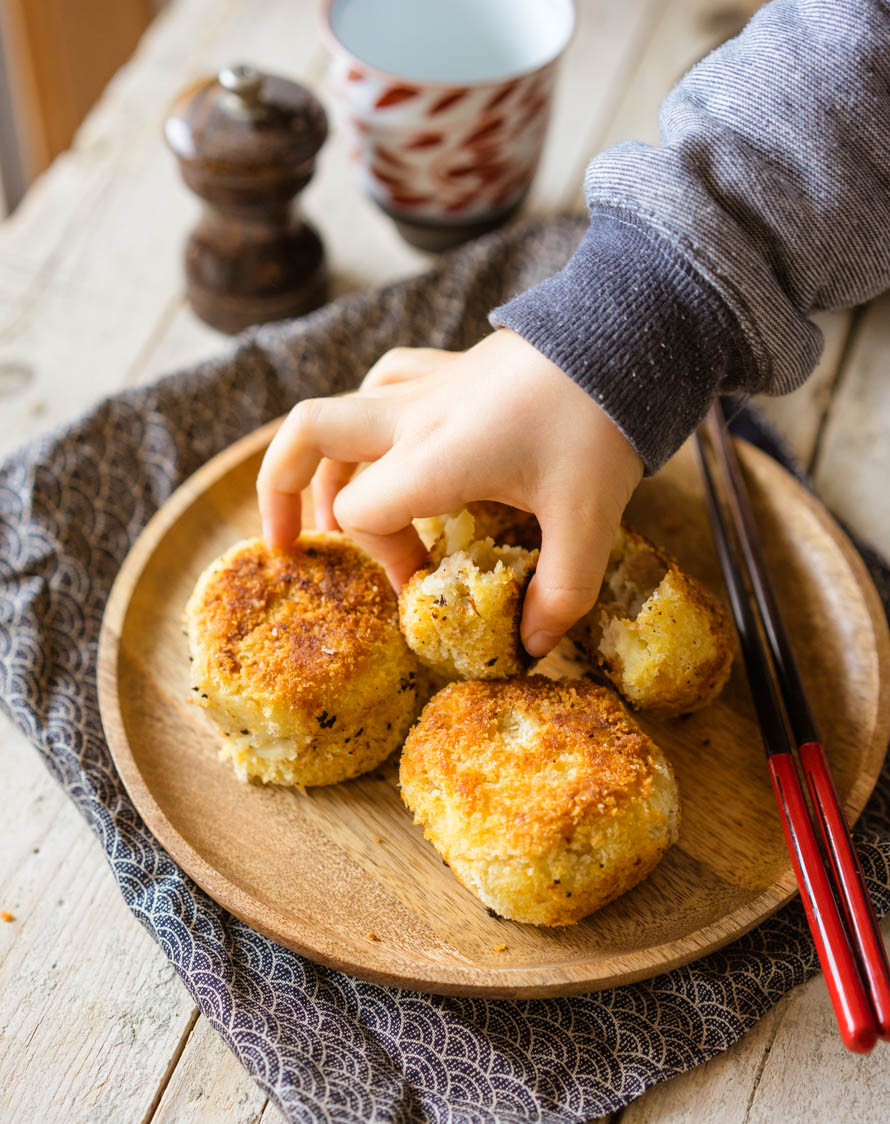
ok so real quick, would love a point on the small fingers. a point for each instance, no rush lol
(377, 508)
(280, 513)
(347, 429)
(329, 478)
(405, 484)
(574, 553)
(402, 364)
(401, 554)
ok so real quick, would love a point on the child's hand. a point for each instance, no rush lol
(497, 422)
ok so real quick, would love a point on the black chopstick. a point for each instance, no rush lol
(846, 868)
(847, 978)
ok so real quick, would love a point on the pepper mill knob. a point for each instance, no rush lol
(246, 143)
(243, 80)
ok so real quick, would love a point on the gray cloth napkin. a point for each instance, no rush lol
(324, 1046)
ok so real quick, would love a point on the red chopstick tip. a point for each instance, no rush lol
(855, 899)
(861, 1040)
(835, 897)
(853, 1011)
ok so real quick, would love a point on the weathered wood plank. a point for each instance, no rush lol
(718, 1092)
(799, 416)
(608, 38)
(808, 1075)
(209, 1083)
(28, 819)
(101, 238)
(183, 339)
(91, 1011)
(853, 465)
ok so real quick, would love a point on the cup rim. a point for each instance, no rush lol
(336, 47)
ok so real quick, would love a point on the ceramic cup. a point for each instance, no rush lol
(447, 102)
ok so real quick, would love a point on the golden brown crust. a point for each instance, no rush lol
(543, 796)
(460, 727)
(298, 658)
(299, 623)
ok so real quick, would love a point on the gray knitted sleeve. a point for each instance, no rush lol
(768, 199)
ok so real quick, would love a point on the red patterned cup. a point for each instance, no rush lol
(447, 102)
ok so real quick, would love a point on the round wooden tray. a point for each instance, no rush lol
(321, 871)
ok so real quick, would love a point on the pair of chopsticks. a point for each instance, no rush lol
(835, 898)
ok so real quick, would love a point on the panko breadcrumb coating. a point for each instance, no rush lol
(298, 657)
(543, 796)
(461, 612)
(657, 633)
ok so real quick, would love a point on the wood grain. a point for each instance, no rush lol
(210, 1083)
(853, 465)
(100, 1026)
(319, 870)
(60, 235)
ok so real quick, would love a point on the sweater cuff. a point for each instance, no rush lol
(633, 324)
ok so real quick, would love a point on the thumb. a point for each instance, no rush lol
(574, 552)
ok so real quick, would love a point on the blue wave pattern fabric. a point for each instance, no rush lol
(324, 1046)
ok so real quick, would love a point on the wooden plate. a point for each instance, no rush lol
(322, 870)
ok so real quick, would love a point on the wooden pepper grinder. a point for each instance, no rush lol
(246, 144)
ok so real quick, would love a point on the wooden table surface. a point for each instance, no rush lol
(94, 1023)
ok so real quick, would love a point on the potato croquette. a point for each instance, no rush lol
(658, 635)
(505, 525)
(298, 657)
(508, 525)
(460, 614)
(543, 796)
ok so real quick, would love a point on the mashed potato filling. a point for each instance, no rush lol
(461, 613)
(661, 638)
